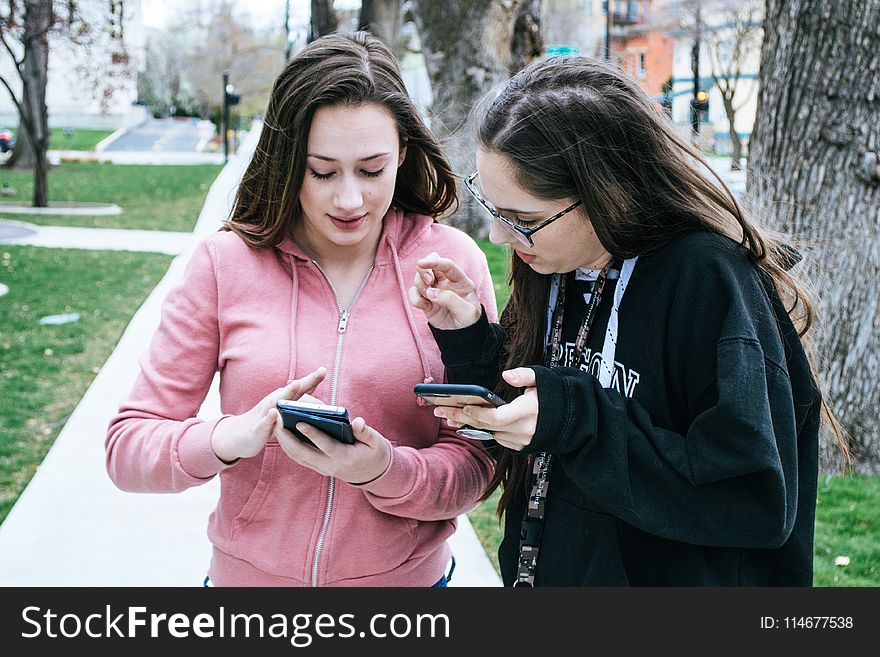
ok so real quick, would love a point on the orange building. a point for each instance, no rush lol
(640, 42)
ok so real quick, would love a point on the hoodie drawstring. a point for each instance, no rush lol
(294, 295)
(426, 370)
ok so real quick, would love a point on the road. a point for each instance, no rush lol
(165, 135)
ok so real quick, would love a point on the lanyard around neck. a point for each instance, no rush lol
(539, 480)
(555, 349)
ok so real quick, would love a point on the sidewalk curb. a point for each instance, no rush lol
(109, 139)
(116, 134)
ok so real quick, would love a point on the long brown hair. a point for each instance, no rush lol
(577, 128)
(336, 69)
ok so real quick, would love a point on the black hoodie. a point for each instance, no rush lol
(698, 466)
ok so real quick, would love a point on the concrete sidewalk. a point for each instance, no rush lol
(110, 239)
(73, 527)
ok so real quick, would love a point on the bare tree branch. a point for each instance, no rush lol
(15, 100)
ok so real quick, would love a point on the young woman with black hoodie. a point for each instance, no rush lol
(664, 418)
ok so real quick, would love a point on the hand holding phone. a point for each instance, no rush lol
(459, 396)
(332, 420)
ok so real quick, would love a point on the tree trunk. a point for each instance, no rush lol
(34, 125)
(467, 48)
(324, 19)
(528, 39)
(736, 155)
(33, 134)
(735, 141)
(382, 18)
(812, 163)
(22, 156)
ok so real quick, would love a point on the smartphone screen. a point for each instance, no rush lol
(457, 395)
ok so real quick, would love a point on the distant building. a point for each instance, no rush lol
(717, 35)
(641, 44)
(106, 98)
(649, 42)
(638, 30)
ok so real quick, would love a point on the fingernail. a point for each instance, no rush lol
(439, 413)
(432, 292)
(427, 277)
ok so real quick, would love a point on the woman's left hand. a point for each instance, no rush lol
(365, 460)
(512, 425)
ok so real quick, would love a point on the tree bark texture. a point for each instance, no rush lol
(383, 19)
(528, 39)
(467, 49)
(38, 18)
(323, 20)
(813, 174)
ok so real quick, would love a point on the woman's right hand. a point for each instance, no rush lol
(445, 293)
(243, 436)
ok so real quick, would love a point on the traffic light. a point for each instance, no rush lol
(231, 98)
(701, 103)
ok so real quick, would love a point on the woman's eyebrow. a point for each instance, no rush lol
(332, 159)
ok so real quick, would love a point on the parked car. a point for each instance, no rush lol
(7, 140)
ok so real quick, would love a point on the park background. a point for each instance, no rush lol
(146, 101)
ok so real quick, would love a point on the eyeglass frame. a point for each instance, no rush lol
(519, 231)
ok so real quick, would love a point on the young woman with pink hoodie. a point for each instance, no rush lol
(303, 295)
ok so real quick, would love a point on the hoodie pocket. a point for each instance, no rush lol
(259, 492)
(277, 528)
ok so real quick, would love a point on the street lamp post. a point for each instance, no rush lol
(225, 119)
(287, 31)
(229, 98)
(695, 63)
(608, 20)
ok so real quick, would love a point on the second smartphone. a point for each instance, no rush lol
(332, 420)
(458, 395)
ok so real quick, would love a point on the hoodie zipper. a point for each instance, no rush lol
(340, 331)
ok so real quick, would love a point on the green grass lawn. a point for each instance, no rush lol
(45, 370)
(499, 266)
(847, 518)
(848, 525)
(152, 197)
(78, 139)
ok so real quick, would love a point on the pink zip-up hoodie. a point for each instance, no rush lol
(263, 317)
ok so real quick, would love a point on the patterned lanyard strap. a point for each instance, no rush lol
(539, 481)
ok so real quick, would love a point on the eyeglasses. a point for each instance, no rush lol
(522, 234)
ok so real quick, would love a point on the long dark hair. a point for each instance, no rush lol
(337, 69)
(577, 128)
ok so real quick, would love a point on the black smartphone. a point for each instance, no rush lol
(458, 395)
(332, 420)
